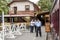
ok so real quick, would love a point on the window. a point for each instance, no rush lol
(15, 10)
(27, 7)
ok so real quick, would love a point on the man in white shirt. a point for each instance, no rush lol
(31, 26)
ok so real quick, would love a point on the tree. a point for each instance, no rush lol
(45, 4)
(3, 6)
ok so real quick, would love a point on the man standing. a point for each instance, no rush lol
(38, 27)
(31, 26)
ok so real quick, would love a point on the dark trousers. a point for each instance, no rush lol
(38, 30)
(31, 29)
(35, 28)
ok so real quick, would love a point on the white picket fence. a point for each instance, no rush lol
(14, 29)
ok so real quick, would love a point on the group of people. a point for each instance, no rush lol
(36, 23)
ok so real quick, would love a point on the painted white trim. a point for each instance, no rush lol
(16, 15)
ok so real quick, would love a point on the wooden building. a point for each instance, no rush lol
(43, 16)
(55, 18)
(21, 11)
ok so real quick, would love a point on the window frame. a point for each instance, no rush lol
(27, 9)
(15, 10)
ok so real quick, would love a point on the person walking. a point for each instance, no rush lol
(38, 27)
(31, 26)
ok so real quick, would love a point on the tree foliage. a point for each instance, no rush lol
(45, 4)
(3, 6)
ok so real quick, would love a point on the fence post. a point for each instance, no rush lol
(47, 36)
(3, 23)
